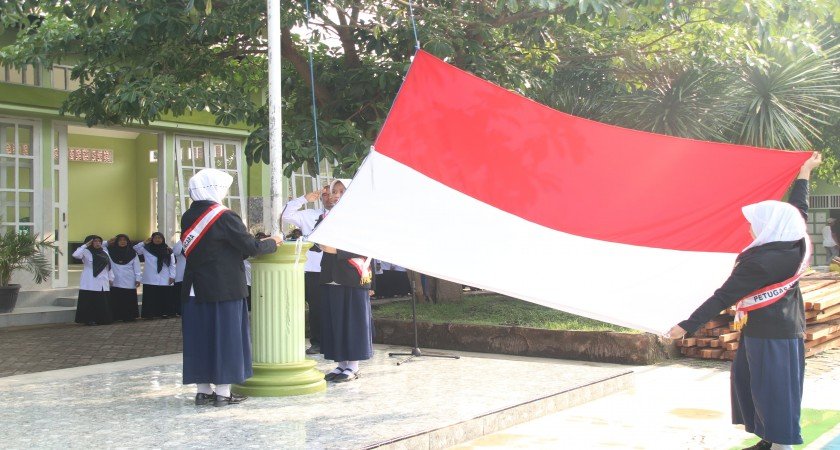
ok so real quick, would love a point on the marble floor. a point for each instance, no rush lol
(142, 403)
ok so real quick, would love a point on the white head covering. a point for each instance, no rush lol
(345, 181)
(210, 184)
(774, 221)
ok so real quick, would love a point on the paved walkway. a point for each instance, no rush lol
(50, 347)
(142, 404)
(682, 404)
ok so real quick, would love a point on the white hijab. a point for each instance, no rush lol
(345, 181)
(210, 184)
(774, 221)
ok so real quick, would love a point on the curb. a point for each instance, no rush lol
(600, 346)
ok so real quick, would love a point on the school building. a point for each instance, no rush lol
(61, 178)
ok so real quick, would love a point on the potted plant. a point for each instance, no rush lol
(21, 251)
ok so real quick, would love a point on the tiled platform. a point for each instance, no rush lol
(429, 403)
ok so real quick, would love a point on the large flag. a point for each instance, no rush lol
(475, 184)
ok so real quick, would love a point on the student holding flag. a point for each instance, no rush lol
(769, 366)
(216, 330)
(346, 325)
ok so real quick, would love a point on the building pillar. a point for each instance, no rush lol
(166, 218)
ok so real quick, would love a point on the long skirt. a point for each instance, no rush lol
(766, 379)
(217, 342)
(175, 302)
(124, 303)
(312, 296)
(346, 324)
(157, 301)
(93, 307)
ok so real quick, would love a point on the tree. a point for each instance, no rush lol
(688, 68)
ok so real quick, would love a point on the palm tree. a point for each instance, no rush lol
(778, 105)
(781, 105)
(690, 102)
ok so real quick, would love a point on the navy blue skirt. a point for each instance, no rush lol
(217, 342)
(346, 324)
(767, 377)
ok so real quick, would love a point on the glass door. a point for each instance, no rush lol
(59, 206)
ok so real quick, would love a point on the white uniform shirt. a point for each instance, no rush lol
(828, 239)
(247, 265)
(125, 275)
(150, 273)
(304, 219)
(180, 261)
(101, 282)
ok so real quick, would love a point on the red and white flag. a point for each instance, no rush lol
(475, 184)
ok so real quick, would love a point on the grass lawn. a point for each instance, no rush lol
(814, 423)
(494, 310)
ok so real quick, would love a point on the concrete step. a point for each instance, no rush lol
(44, 297)
(37, 315)
(69, 302)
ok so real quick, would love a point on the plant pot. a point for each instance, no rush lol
(8, 297)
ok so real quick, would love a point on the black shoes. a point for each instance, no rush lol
(204, 399)
(218, 400)
(342, 377)
(331, 375)
(760, 445)
(313, 350)
(232, 400)
(345, 376)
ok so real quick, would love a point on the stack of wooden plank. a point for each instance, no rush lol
(718, 339)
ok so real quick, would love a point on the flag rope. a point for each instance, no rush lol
(413, 24)
(312, 89)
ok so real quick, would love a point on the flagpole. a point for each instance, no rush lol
(277, 289)
(275, 114)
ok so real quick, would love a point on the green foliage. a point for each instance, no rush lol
(762, 72)
(494, 310)
(24, 251)
(691, 103)
(784, 103)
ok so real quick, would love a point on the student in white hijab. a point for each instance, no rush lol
(769, 366)
(216, 328)
(346, 325)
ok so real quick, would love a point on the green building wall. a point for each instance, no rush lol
(145, 171)
(102, 197)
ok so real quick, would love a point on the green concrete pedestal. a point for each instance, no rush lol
(277, 327)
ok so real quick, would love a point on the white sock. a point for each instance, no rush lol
(205, 388)
(336, 370)
(342, 364)
(781, 447)
(353, 365)
(223, 390)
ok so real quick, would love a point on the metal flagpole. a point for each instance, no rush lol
(275, 114)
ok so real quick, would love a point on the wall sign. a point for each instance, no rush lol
(92, 155)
